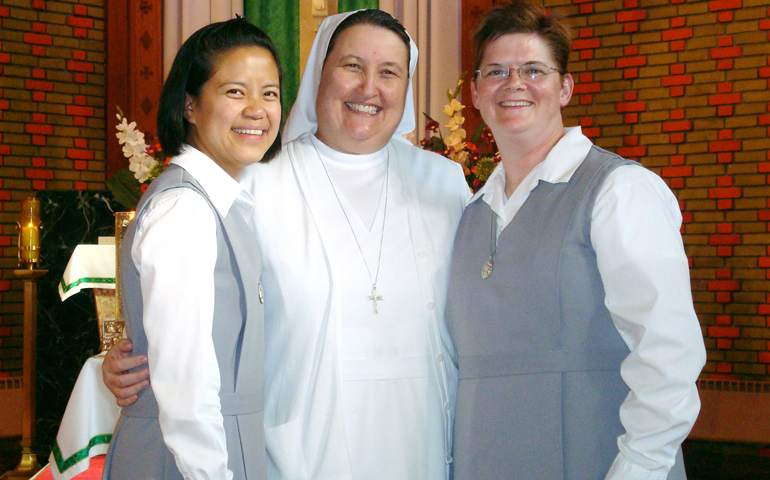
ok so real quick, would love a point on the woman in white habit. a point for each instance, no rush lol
(357, 239)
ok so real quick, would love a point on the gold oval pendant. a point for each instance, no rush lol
(486, 271)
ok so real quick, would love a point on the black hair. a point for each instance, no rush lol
(377, 18)
(194, 65)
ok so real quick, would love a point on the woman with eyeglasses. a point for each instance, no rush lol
(569, 299)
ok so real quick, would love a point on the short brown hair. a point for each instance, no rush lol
(521, 17)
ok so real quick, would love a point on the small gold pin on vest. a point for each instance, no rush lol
(261, 293)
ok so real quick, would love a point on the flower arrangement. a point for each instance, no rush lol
(479, 157)
(145, 163)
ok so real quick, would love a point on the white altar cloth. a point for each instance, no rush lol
(88, 422)
(90, 266)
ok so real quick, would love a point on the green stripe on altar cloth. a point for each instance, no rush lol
(67, 287)
(80, 455)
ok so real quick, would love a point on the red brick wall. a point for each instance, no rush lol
(51, 124)
(684, 88)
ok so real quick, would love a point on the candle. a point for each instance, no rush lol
(29, 234)
(30, 241)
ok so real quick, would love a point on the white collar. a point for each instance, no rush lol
(559, 165)
(220, 187)
(349, 161)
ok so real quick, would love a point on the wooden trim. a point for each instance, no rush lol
(134, 73)
(146, 72)
(117, 79)
(733, 411)
(310, 19)
(472, 11)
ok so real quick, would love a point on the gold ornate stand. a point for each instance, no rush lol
(28, 466)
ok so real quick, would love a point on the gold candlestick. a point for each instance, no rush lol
(111, 329)
(28, 466)
(29, 256)
(29, 233)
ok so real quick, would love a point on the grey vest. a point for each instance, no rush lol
(539, 356)
(137, 450)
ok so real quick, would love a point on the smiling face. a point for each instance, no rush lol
(517, 109)
(236, 117)
(362, 91)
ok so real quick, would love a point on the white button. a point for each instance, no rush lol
(422, 255)
(449, 459)
(447, 406)
(430, 306)
(440, 357)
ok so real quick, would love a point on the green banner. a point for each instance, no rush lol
(280, 20)
(348, 5)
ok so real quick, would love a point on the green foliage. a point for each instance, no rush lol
(477, 134)
(125, 188)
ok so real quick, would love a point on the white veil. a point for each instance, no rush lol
(303, 118)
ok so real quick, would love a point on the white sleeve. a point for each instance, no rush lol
(645, 272)
(175, 252)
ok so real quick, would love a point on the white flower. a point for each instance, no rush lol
(126, 130)
(131, 149)
(141, 165)
(144, 166)
(131, 139)
(128, 134)
(137, 138)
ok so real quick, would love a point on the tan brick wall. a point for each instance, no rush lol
(684, 87)
(51, 124)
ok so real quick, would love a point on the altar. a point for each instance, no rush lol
(91, 414)
(87, 426)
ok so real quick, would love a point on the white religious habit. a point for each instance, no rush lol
(357, 248)
(351, 394)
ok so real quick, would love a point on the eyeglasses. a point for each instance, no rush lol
(531, 73)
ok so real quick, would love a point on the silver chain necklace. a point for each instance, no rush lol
(486, 270)
(374, 297)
